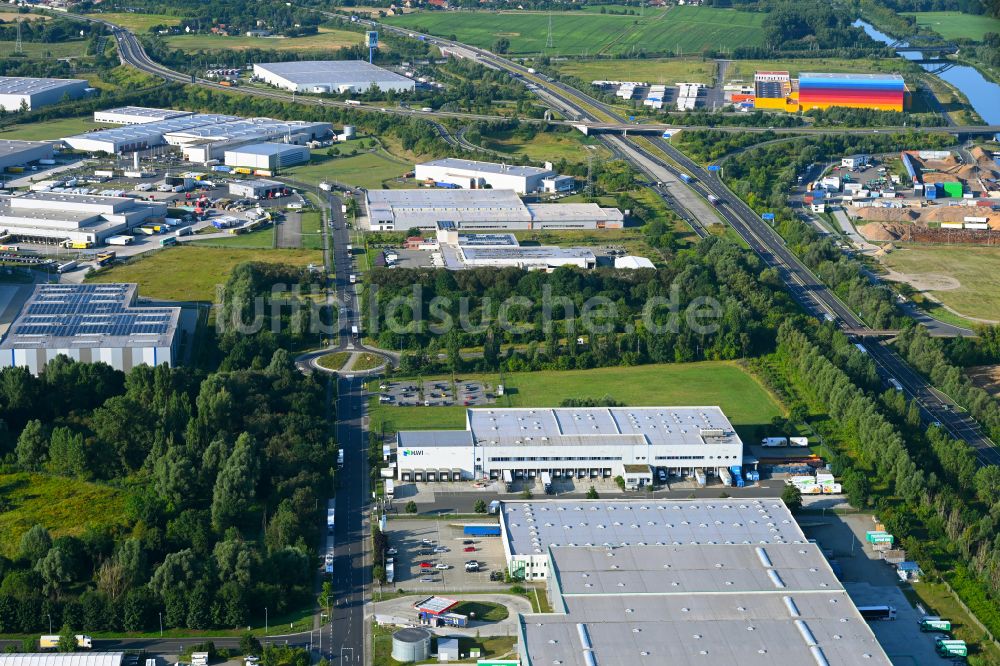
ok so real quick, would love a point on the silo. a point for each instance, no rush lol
(412, 644)
(349, 131)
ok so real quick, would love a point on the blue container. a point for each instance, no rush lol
(481, 530)
(931, 192)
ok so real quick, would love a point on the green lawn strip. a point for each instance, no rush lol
(366, 361)
(938, 600)
(137, 22)
(193, 273)
(259, 239)
(956, 25)
(49, 129)
(486, 611)
(723, 383)
(45, 50)
(367, 170)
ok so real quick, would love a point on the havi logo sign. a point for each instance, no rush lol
(412, 452)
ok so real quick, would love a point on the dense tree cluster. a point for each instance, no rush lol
(943, 508)
(790, 25)
(50, 31)
(742, 300)
(221, 474)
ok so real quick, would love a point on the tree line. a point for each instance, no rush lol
(219, 469)
(925, 486)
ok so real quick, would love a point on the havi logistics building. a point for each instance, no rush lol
(597, 442)
(330, 76)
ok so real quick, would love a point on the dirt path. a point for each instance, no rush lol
(923, 281)
(289, 232)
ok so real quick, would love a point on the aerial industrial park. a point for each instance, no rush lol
(557, 334)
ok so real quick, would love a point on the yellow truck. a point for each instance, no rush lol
(78, 245)
(52, 642)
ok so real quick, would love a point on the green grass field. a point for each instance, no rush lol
(367, 170)
(312, 230)
(547, 146)
(139, 22)
(326, 40)
(666, 71)
(976, 268)
(684, 29)
(46, 51)
(956, 25)
(64, 506)
(334, 361)
(49, 129)
(192, 273)
(742, 398)
(261, 239)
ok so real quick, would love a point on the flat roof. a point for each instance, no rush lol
(406, 439)
(487, 240)
(266, 148)
(488, 167)
(305, 72)
(258, 183)
(572, 211)
(145, 112)
(867, 76)
(153, 130)
(66, 659)
(27, 85)
(532, 526)
(89, 315)
(13, 147)
(539, 253)
(434, 198)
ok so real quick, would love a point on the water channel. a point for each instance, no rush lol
(983, 94)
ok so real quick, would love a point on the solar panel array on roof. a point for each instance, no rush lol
(87, 313)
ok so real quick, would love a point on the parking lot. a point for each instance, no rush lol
(415, 541)
(436, 393)
(870, 581)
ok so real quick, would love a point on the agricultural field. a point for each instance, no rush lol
(49, 129)
(65, 506)
(202, 268)
(14, 16)
(665, 71)
(547, 146)
(326, 40)
(971, 283)
(742, 398)
(46, 50)
(260, 239)
(139, 22)
(367, 170)
(677, 30)
(956, 25)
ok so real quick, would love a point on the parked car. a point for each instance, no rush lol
(496, 575)
(468, 542)
(426, 580)
(391, 551)
(426, 565)
(442, 566)
(469, 549)
(440, 549)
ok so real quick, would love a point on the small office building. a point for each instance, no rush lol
(271, 157)
(256, 189)
(471, 175)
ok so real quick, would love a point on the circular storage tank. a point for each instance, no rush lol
(412, 644)
(320, 89)
(349, 131)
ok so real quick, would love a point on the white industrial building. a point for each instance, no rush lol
(90, 323)
(136, 115)
(855, 161)
(458, 251)
(16, 91)
(19, 153)
(53, 217)
(632, 262)
(470, 175)
(201, 137)
(598, 442)
(330, 76)
(680, 582)
(62, 659)
(267, 156)
(256, 189)
(472, 210)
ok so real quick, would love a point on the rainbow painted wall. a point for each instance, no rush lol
(885, 92)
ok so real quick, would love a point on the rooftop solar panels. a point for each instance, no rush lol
(64, 315)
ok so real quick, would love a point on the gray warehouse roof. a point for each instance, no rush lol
(332, 72)
(13, 147)
(146, 112)
(25, 85)
(266, 149)
(488, 167)
(89, 315)
(533, 526)
(66, 659)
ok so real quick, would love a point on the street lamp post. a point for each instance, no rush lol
(265, 623)
(50, 622)
(160, 614)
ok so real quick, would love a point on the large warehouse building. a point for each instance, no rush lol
(596, 442)
(470, 174)
(885, 92)
(271, 157)
(19, 153)
(17, 91)
(201, 137)
(136, 115)
(330, 76)
(90, 323)
(64, 659)
(458, 251)
(472, 210)
(682, 582)
(52, 217)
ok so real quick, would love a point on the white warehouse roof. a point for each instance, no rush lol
(65, 659)
(25, 85)
(473, 166)
(357, 74)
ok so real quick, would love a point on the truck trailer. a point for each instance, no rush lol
(51, 642)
